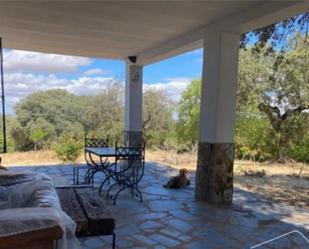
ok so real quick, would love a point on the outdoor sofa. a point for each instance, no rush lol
(31, 215)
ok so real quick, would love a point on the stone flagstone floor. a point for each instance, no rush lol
(173, 219)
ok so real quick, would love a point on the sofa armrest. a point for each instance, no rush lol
(42, 238)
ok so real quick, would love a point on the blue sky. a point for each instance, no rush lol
(162, 71)
(188, 65)
(26, 72)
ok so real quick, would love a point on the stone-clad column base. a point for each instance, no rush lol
(214, 175)
(133, 138)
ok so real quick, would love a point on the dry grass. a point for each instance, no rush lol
(188, 160)
(42, 157)
(185, 160)
(280, 184)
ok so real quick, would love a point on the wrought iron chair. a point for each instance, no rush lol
(93, 166)
(127, 171)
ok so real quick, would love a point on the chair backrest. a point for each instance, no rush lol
(130, 152)
(133, 159)
(96, 142)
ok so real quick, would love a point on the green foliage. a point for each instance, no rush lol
(105, 113)
(299, 151)
(68, 149)
(252, 140)
(37, 135)
(188, 114)
(276, 33)
(21, 140)
(157, 118)
(275, 85)
(39, 132)
(10, 121)
(272, 105)
(44, 116)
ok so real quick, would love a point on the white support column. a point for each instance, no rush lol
(214, 177)
(133, 104)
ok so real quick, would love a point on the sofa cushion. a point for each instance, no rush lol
(26, 189)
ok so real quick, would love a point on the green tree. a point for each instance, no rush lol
(59, 113)
(286, 97)
(10, 124)
(36, 136)
(272, 104)
(251, 137)
(107, 115)
(188, 114)
(157, 117)
(276, 33)
(57, 107)
(40, 132)
(275, 85)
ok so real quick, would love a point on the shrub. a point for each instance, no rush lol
(253, 140)
(300, 151)
(68, 149)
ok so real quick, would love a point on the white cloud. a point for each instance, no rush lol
(88, 85)
(25, 73)
(95, 71)
(174, 87)
(19, 85)
(24, 61)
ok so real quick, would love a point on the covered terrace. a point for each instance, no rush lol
(144, 32)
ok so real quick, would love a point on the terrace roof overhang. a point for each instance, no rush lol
(150, 30)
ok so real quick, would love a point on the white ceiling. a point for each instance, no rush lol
(109, 29)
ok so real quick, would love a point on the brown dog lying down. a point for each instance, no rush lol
(179, 181)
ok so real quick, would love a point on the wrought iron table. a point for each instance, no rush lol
(123, 165)
(104, 154)
(102, 151)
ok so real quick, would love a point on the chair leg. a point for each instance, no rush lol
(139, 193)
(56, 244)
(102, 184)
(114, 240)
(74, 181)
(86, 175)
(77, 176)
(116, 195)
(90, 175)
(110, 188)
